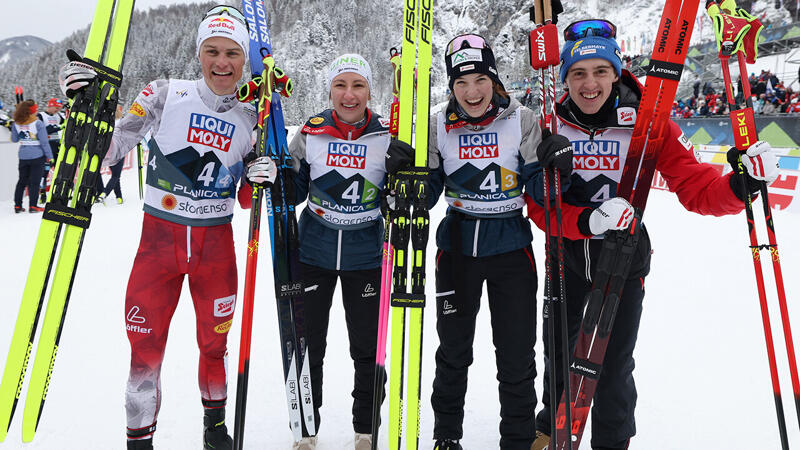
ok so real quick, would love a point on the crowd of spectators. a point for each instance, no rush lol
(769, 96)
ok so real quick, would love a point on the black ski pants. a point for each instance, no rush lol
(360, 297)
(511, 284)
(113, 183)
(30, 176)
(614, 402)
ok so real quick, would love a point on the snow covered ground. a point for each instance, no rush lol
(701, 370)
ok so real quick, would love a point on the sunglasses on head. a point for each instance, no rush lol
(466, 41)
(592, 27)
(232, 12)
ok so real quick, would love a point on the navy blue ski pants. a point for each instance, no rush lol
(614, 403)
(511, 284)
(30, 176)
(360, 297)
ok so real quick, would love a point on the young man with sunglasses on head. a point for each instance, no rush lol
(201, 134)
(598, 114)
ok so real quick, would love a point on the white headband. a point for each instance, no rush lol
(222, 26)
(349, 62)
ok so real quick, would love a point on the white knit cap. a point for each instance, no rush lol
(223, 26)
(349, 62)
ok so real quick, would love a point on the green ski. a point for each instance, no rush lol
(409, 187)
(84, 143)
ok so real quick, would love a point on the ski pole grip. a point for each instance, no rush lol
(543, 46)
(548, 10)
(536, 12)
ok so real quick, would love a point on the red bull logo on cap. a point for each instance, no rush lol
(221, 22)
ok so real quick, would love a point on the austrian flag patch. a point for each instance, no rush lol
(210, 131)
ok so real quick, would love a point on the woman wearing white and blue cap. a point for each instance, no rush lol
(341, 161)
(482, 156)
(598, 115)
(200, 136)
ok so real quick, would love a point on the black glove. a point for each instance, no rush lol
(753, 185)
(399, 156)
(555, 152)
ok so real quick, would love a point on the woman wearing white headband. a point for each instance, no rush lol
(341, 158)
(200, 136)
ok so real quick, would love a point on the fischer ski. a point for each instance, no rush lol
(674, 33)
(84, 143)
(271, 141)
(387, 265)
(407, 226)
(745, 135)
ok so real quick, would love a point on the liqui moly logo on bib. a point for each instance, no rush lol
(596, 155)
(343, 154)
(210, 131)
(477, 146)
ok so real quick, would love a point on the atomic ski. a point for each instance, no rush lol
(271, 141)
(673, 35)
(84, 143)
(409, 190)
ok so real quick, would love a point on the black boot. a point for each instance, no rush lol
(140, 444)
(215, 434)
(447, 444)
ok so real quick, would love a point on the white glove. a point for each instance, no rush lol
(613, 214)
(261, 171)
(760, 162)
(75, 75)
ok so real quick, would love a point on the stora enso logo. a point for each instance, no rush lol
(477, 146)
(343, 154)
(210, 131)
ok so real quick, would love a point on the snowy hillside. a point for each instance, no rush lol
(18, 48)
(702, 372)
(306, 36)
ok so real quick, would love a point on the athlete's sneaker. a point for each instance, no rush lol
(100, 199)
(362, 441)
(541, 442)
(18, 209)
(35, 209)
(119, 200)
(215, 433)
(447, 444)
(140, 444)
(307, 443)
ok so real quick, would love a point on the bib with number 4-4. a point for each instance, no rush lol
(195, 159)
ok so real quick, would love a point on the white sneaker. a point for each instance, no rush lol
(362, 441)
(307, 443)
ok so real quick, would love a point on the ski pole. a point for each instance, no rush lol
(140, 157)
(387, 265)
(744, 131)
(544, 55)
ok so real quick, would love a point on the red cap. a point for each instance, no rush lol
(54, 103)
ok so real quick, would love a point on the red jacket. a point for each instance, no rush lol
(699, 186)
